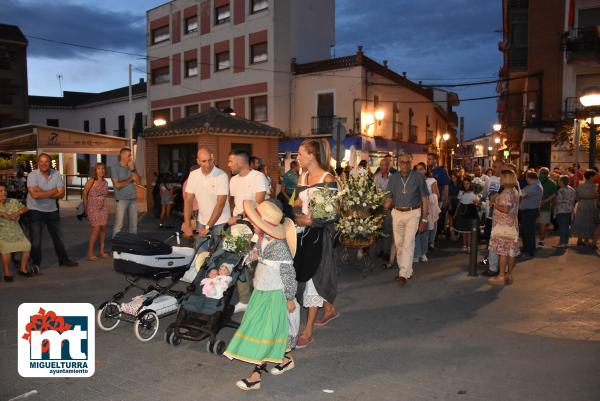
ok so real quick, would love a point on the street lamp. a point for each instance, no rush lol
(159, 122)
(497, 127)
(497, 140)
(379, 116)
(445, 137)
(590, 99)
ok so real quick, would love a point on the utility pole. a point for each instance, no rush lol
(130, 118)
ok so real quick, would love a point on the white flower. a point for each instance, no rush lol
(329, 208)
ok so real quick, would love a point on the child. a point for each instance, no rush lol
(264, 334)
(217, 281)
(166, 201)
(466, 212)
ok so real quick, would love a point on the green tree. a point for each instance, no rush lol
(566, 134)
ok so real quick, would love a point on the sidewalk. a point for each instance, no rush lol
(444, 336)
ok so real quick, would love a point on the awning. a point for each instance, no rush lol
(364, 143)
(41, 138)
(534, 135)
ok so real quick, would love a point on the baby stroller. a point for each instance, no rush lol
(200, 317)
(147, 263)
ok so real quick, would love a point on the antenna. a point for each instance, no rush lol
(60, 77)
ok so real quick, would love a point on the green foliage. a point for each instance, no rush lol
(566, 134)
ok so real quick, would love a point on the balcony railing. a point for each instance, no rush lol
(572, 107)
(582, 44)
(322, 124)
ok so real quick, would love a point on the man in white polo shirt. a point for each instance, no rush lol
(44, 187)
(209, 185)
(246, 183)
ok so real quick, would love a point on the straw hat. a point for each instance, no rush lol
(268, 217)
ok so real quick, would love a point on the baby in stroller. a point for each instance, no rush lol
(217, 281)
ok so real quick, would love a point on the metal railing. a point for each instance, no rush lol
(581, 43)
(322, 124)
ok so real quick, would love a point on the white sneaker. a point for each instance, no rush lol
(240, 307)
(424, 258)
(415, 260)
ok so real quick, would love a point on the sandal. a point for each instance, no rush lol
(326, 319)
(303, 342)
(281, 368)
(508, 280)
(497, 280)
(247, 385)
(92, 258)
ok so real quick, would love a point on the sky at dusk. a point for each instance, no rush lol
(434, 41)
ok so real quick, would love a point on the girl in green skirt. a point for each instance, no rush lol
(265, 334)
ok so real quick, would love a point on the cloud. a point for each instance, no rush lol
(74, 23)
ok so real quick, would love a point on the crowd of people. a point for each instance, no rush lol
(295, 253)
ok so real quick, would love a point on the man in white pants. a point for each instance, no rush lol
(409, 200)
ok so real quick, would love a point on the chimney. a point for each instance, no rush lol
(385, 63)
(141, 80)
(293, 65)
(360, 49)
(404, 74)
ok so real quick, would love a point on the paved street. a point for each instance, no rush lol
(445, 336)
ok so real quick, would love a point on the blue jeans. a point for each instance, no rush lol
(422, 243)
(52, 222)
(128, 206)
(564, 229)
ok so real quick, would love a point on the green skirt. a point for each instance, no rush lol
(263, 333)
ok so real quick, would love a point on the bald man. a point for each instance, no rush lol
(209, 185)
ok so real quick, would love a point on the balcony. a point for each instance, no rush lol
(322, 125)
(572, 107)
(582, 45)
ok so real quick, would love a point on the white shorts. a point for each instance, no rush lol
(544, 218)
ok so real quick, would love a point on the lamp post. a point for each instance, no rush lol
(590, 99)
(445, 137)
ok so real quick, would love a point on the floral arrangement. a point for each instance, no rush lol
(324, 204)
(360, 192)
(361, 228)
(478, 184)
(238, 240)
(362, 210)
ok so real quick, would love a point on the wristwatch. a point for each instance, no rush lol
(424, 220)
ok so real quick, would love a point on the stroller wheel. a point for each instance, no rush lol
(146, 326)
(168, 333)
(219, 347)
(209, 346)
(108, 317)
(174, 339)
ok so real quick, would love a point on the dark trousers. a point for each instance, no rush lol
(52, 221)
(563, 221)
(487, 229)
(528, 218)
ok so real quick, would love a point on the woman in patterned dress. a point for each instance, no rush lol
(586, 211)
(94, 201)
(505, 242)
(12, 238)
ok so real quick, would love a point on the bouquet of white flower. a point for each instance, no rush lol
(323, 204)
(359, 192)
(238, 240)
(478, 184)
(360, 228)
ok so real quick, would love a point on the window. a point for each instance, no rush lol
(160, 75)
(52, 122)
(103, 125)
(258, 53)
(160, 35)
(4, 58)
(222, 15)
(589, 17)
(412, 135)
(191, 109)
(222, 61)
(258, 108)
(177, 159)
(86, 125)
(191, 24)
(121, 131)
(191, 68)
(137, 125)
(222, 104)
(258, 5)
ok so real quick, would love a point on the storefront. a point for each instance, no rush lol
(172, 148)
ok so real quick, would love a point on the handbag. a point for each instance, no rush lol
(505, 231)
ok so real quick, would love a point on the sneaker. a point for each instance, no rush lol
(484, 262)
(424, 258)
(541, 244)
(415, 260)
(240, 307)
